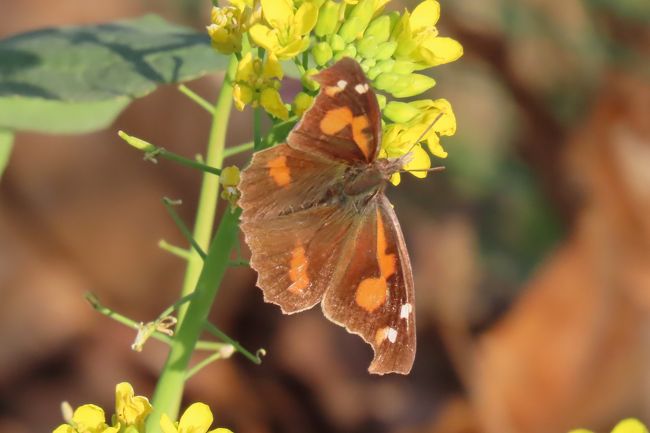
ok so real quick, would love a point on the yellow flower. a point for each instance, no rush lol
(421, 121)
(301, 103)
(228, 25)
(285, 32)
(130, 410)
(417, 37)
(257, 83)
(396, 143)
(629, 425)
(230, 179)
(87, 419)
(196, 419)
(130, 413)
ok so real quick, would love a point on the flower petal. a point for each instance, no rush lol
(264, 36)
(272, 102)
(167, 425)
(129, 408)
(420, 161)
(305, 18)
(64, 428)
(278, 13)
(242, 95)
(196, 419)
(440, 50)
(89, 417)
(435, 147)
(630, 425)
(425, 15)
(272, 68)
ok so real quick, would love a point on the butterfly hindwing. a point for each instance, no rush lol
(373, 294)
(296, 255)
(344, 121)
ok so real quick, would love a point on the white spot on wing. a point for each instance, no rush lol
(392, 335)
(361, 88)
(341, 84)
(405, 311)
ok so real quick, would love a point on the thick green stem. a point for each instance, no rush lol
(203, 277)
(169, 392)
(209, 194)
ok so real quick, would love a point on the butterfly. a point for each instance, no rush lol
(320, 228)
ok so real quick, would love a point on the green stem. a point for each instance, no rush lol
(196, 98)
(201, 277)
(169, 205)
(173, 249)
(236, 150)
(169, 391)
(130, 323)
(207, 205)
(256, 359)
(257, 129)
(151, 152)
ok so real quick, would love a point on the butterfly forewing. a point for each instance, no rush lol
(373, 292)
(282, 180)
(344, 121)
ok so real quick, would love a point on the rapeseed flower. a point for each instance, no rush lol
(285, 29)
(196, 419)
(257, 83)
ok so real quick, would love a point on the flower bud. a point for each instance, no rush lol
(367, 47)
(328, 18)
(337, 43)
(348, 51)
(308, 82)
(229, 176)
(403, 67)
(385, 50)
(322, 53)
(301, 103)
(379, 28)
(400, 112)
(351, 29)
(380, 68)
(361, 16)
(387, 80)
(381, 100)
(417, 83)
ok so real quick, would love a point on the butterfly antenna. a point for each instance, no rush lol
(425, 132)
(438, 168)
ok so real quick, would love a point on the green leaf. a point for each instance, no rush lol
(6, 143)
(78, 79)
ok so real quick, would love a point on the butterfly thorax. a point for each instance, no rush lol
(367, 180)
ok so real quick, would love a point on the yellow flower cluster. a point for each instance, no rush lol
(629, 425)
(393, 48)
(131, 412)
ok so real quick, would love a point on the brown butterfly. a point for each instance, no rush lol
(320, 228)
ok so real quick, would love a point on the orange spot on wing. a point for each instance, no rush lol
(279, 170)
(332, 91)
(381, 335)
(372, 292)
(360, 123)
(335, 120)
(298, 270)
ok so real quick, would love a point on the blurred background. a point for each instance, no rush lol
(531, 252)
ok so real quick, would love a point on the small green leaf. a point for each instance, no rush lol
(78, 79)
(6, 144)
